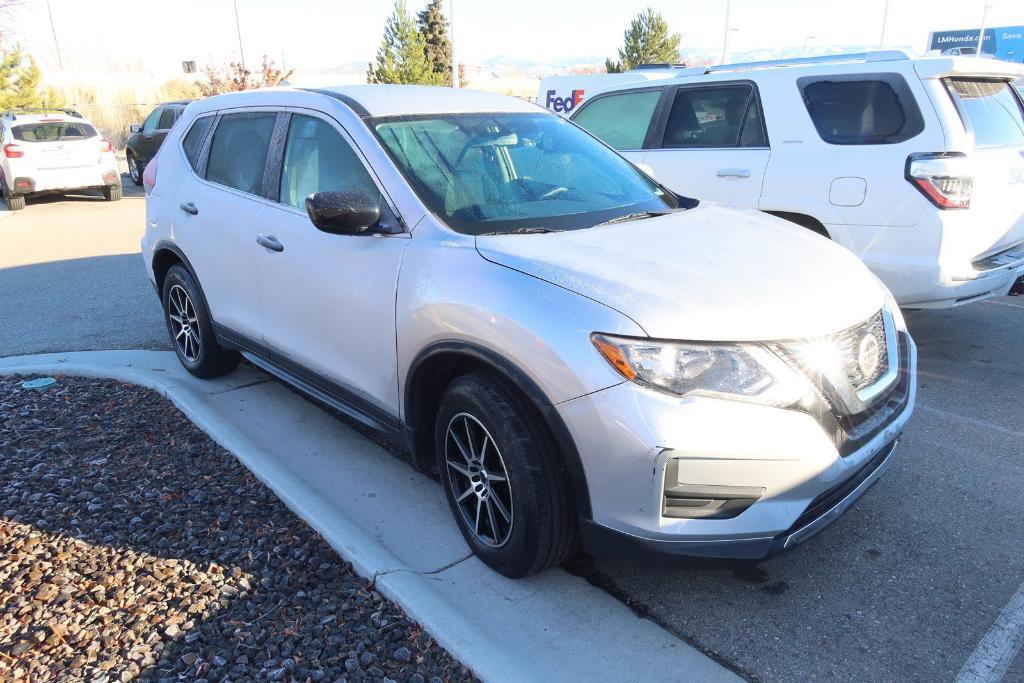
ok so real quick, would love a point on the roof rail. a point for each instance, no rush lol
(13, 113)
(873, 56)
(659, 65)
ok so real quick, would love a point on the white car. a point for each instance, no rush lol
(54, 151)
(581, 353)
(915, 165)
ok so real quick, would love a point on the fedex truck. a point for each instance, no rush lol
(563, 94)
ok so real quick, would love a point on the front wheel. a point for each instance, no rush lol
(188, 323)
(134, 170)
(502, 477)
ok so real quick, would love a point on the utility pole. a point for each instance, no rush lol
(981, 32)
(725, 38)
(451, 31)
(885, 22)
(238, 27)
(807, 42)
(56, 43)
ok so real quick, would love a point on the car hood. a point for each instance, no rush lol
(710, 273)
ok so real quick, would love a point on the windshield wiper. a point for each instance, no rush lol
(518, 231)
(633, 217)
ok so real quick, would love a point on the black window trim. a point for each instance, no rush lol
(908, 101)
(658, 138)
(201, 158)
(656, 115)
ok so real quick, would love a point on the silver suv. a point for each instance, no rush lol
(584, 355)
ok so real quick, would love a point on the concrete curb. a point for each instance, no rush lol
(552, 627)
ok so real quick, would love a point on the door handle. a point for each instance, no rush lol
(269, 242)
(189, 208)
(733, 173)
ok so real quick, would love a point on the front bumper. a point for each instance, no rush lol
(637, 444)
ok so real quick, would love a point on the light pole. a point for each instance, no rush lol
(981, 31)
(725, 38)
(807, 41)
(885, 22)
(56, 43)
(238, 28)
(451, 31)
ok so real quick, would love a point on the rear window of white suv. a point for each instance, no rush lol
(990, 109)
(53, 131)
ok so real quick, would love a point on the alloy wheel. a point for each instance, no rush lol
(184, 323)
(479, 480)
(133, 169)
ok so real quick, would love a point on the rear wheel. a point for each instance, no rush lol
(188, 323)
(15, 203)
(112, 193)
(134, 170)
(502, 478)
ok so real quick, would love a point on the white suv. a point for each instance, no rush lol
(54, 151)
(915, 165)
(580, 352)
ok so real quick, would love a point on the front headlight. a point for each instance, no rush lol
(744, 371)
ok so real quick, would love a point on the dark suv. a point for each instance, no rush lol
(146, 139)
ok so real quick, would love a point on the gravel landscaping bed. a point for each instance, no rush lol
(133, 547)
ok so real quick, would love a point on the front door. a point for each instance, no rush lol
(329, 300)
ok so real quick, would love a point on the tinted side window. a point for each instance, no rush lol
(167, 119)
(193, 142)
(878, 110)
(723, 116)
(318, 159)
(238, 152)
(620, 120)
(150, 124)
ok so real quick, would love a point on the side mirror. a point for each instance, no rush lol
(136, 128)
(343, 212)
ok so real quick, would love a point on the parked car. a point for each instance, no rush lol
(581, 353)
(53, 150)
(146, 138)
(915, 165)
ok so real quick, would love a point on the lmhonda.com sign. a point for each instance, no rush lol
(1006, 43)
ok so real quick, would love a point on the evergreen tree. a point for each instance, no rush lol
(402, 55)
(646, 41)
(612, 66)
(433, 26)
(19, 80)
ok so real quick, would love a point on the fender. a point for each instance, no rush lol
(530, 390)
(167, 245)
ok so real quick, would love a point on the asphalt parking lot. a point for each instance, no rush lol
(903, 587)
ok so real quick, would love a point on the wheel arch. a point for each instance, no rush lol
(167, 254)
(438, 364)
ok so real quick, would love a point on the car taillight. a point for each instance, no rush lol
(945, 178)
(149, 175)
(12, 151)
(105, 146)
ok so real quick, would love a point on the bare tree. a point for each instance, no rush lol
(235, 78)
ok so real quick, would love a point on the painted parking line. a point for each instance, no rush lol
(994, 654)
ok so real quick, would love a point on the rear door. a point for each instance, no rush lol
(218, 208)
(711, 143)
(992, 112)
(623, 119)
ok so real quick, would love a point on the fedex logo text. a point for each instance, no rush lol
(563, 104)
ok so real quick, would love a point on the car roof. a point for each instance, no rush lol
(381, 100)
(16, 119)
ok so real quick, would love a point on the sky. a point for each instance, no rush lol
(321, 34)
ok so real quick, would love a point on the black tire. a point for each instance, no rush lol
(135, 169)
(197, 348)
(541, 528)
(112, 193)
(15, 203)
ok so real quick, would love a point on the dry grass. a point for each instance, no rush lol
(114, 107)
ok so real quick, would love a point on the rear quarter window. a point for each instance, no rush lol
(991, 110)
(858, 109)
(192, 144)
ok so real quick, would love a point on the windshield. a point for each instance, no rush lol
(505, 172)
(53, 132)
